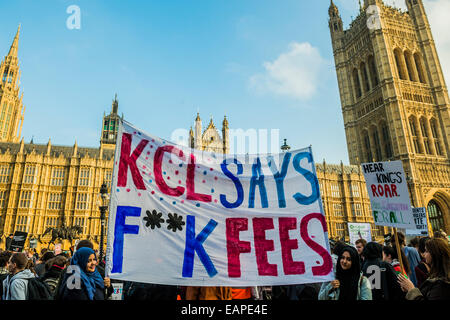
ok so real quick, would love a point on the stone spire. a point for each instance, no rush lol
(15, 45)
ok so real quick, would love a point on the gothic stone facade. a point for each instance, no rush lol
(394, 99)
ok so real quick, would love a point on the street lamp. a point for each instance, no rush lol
(103, 198)
(285, 147)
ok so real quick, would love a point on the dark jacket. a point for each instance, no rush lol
(389, 287)
(421, 273)
(302, 292)
(40, 269)
(431, 289)
(58, 294)
(137, 291)
(51, 278)
(81, 294)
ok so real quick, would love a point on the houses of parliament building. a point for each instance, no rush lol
(394, 102)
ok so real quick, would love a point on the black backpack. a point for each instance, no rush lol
(38, 290)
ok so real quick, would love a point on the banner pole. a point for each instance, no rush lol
(399, 250)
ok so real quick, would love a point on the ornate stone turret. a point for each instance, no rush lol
(110, 126)
(11, 105)
(210, 139)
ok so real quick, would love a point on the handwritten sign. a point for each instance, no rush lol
(388, 193)
(359, 231)
(420, 220)
(180, 216)
(118, 291)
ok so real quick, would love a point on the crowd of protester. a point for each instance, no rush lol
(363, 271)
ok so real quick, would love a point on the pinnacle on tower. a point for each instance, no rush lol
(225, 122)
(15, 45)
(333, 11)
(115, 105)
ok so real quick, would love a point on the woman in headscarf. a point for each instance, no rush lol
(350, 283)
(90, 284)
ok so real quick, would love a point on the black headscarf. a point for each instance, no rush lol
(348, 278)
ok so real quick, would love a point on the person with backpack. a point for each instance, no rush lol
(15, 286)
(381, 274)
(91, 285)
(350, 283)
(40, 266)
(4, 258)
(53, 268)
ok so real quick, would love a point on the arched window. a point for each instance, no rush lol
(434, 132)
(420, 68)
(366, 139)
(435, 215)
(373, 71)
(376, 141)
(409, 66)
(424, 130)
(386, 140)
(357, 83)
(412, 127)
(5, 75)
(366, 83)
(399, 63)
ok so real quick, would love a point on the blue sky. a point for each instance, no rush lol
(167, 60)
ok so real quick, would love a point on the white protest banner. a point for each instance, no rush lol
(359, 231)
(180, 216)
(388, 193)
(420, 220)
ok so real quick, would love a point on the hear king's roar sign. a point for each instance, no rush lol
(389, 195)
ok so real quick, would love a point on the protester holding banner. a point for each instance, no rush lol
(350, 283)
(384, 283)
(15, 286)
(82, 244)
(437, 286)
(423, 268)
(92, 287)
(410, 253)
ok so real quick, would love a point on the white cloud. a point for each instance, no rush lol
(437, 11)
(294, 73)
